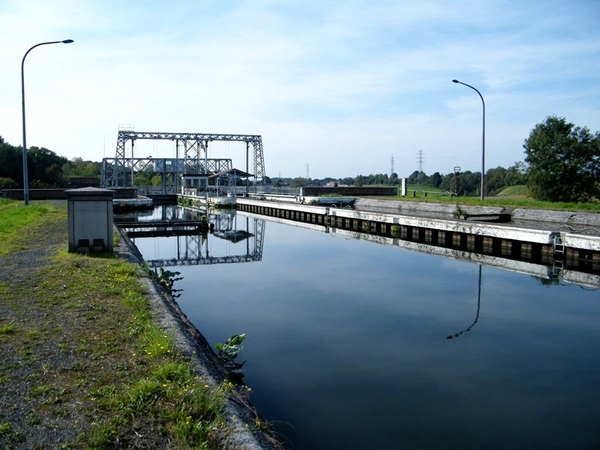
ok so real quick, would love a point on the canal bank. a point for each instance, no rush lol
(521, 217)
(554, 238)
(247, 430)
(73, 373)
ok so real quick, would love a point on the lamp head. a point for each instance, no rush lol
(455, 81)
(67, 41)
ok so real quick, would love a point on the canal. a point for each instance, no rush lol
(358, 345)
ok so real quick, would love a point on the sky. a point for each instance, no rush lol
(335, 88)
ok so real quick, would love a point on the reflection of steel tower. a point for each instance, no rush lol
(259, 237)
(191, 249)
(119, 172)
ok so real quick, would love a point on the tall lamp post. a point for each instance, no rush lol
(25, 172)
(483, 136)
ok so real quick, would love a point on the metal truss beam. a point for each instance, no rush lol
(119, 171)
(202, 260)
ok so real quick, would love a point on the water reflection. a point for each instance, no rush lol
(194, 249)
(345, 341)
(455, 335)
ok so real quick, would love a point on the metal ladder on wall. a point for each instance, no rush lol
(559, 253)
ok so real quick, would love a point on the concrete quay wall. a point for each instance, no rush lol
(544, 218)
(553, 242)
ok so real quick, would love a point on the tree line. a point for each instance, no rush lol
(45, 168)
(462, 183)
(562, 163)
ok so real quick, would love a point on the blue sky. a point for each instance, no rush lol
(340, 86)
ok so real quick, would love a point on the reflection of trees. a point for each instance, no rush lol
(455, 335)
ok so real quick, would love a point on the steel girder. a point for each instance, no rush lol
(193, 143)
(120, 173)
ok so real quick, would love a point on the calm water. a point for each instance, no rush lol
(347, 341)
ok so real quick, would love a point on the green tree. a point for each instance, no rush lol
(435, 180)
(77, 167)
(11, 162)
(495, 180)
(8, 183)
(143, 178)
(516, 174)
(45, 168)
(564, 161)
(157, 180)
(414, 177)
(298, 182)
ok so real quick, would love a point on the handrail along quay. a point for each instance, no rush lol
(557, 249)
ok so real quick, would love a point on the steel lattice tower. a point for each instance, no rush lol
(119, 172)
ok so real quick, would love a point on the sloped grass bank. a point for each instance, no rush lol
(513, 197)
(83, 365)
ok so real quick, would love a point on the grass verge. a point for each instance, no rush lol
(512, 198)
(83, 364)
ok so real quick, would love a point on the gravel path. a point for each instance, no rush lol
(29, 356)
(47, 375)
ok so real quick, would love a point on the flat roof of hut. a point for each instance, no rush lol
(233, 173)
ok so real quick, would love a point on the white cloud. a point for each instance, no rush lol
(341, 86)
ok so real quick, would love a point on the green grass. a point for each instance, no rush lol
(515, 196)
(8, 328)
(159, 386)
(16, 219)
(514, 191)
(126, 378)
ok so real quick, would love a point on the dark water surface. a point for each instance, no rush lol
(347, 342)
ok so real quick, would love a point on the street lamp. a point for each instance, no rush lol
(25, 174)
(483, 136)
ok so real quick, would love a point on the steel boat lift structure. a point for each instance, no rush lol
(119, 172)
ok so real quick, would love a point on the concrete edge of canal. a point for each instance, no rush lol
(240, 413)
(448, 210)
